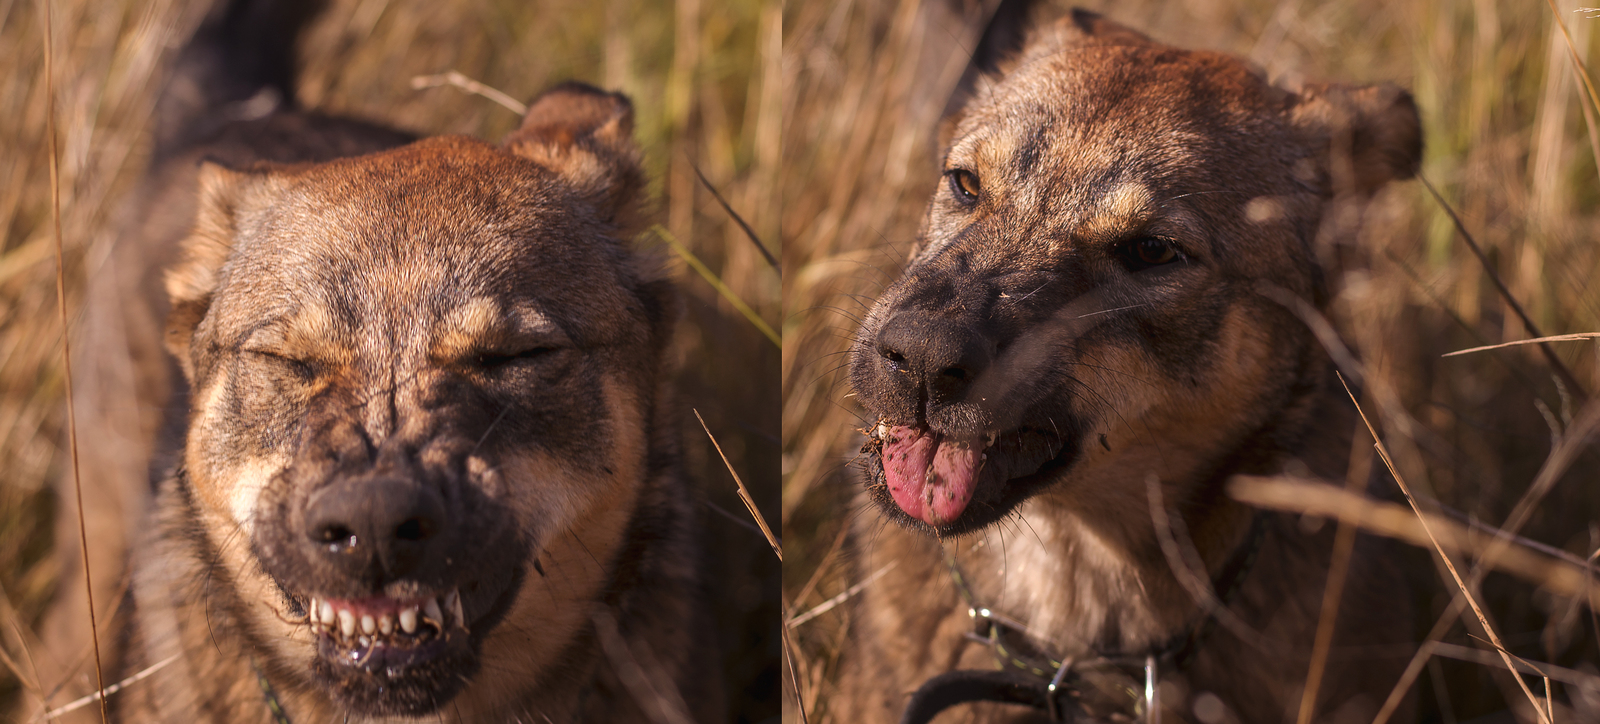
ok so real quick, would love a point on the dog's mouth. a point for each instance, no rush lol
(954, 483)
(382, 635)
(390, 655)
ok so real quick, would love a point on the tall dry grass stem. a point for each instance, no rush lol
(1556, 364)
(744, 493)
(66, 341)
(1477, 610)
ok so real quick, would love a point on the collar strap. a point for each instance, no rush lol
(1104, 686)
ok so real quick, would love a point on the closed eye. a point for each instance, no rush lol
(303, 369)
(498, 360)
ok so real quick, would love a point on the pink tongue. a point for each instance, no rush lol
(930, 477)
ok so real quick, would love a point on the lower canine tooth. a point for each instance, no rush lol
(347, 623)
(431, 610)
(408, 620)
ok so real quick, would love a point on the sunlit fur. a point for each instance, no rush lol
(1113, 374)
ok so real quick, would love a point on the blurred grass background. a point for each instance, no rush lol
(705, 79)
(1510, 143)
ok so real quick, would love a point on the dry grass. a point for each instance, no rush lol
(1507, 144)
(704, 77)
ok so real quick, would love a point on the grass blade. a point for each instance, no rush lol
(66, 340)
(744, 493)
(748, 232)
(716, 283)
(1483, 620)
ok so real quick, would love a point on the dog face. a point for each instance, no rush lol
(421, 387)
(1085, 305)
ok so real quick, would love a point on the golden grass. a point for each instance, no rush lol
(1509, 133)
(705, 80)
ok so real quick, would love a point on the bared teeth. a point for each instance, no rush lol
(453, 602)
(353, 624)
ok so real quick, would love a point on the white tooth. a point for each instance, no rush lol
(455, 608)
(408, 620)
(326, 613)
(431, 610)
(347, 623)
(386, 625)
(368, 625)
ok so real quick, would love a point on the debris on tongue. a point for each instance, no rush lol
(930, 476)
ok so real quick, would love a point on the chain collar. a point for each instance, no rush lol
(1111, 688)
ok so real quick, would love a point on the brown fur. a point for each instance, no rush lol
(1027, 313)
(357, 319)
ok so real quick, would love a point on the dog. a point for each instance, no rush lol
(418, 460)
(1096, 330)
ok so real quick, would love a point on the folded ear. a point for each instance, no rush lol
(1020, 31)
(225, 198)
(1081, 28)
(585, 135)
(1372, 133)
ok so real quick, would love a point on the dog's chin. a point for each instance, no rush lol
(383, 656)
(1011, 467)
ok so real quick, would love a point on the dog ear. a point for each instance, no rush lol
(224, 196)
(1008, 42)
(1371, 134)
(585, 135)
(1080, 28)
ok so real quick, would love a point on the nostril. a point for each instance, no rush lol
(413, 529)
(336, 537)
(894, 357)
(955, 373)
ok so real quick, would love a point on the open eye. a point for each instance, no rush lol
(964, 185)
(1148, 251)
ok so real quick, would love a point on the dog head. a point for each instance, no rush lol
(422, 382)
(1084, 306)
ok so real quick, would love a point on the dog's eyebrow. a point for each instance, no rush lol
(308, 326)
(464, 330)
(1121, 210)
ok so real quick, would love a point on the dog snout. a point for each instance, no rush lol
(377, 528)
(941, 356)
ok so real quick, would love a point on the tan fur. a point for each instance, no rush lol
(340, 316)
(1090, 139)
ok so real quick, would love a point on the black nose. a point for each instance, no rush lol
(374, 527)
(943, 356)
